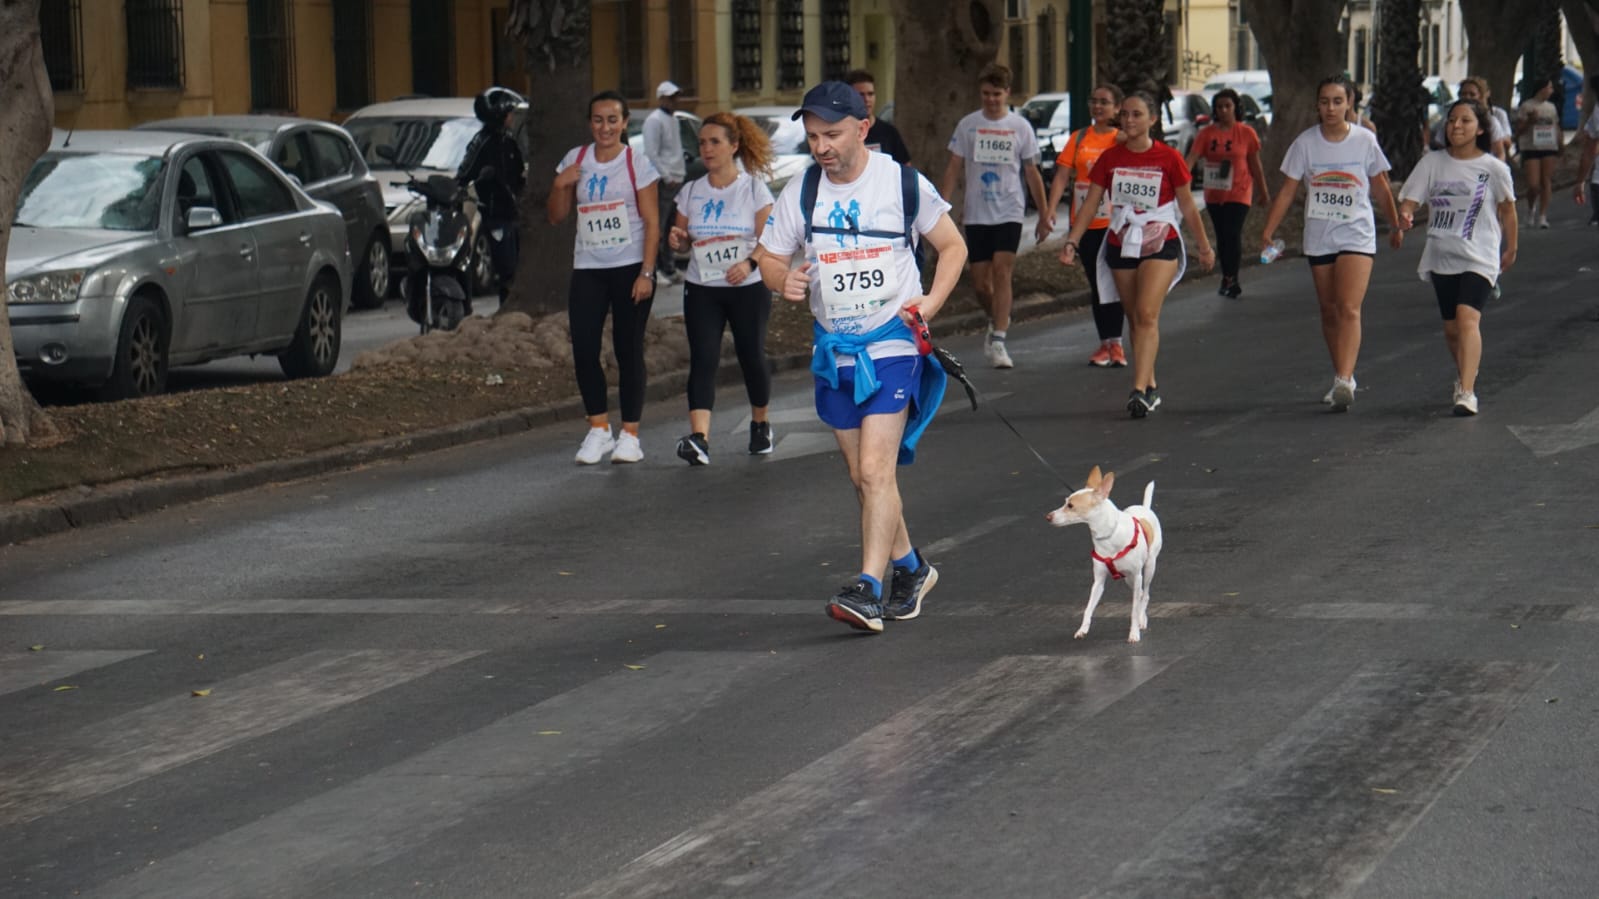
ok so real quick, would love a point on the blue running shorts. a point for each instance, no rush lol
(897, 377)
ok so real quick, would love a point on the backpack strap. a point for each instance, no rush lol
(581, 152)
(631, 175)
(809, 184)
(910, 198)
(910, 201)
(1077, 149)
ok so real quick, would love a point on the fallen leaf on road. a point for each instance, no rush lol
(205, 692)
(201, 656)
(1230, 594)
(1552, 700)
(660, 626)
(634, 667)
(64, 688)
(37, 647)
(549, 733)
(564, 573)
(1384, 790)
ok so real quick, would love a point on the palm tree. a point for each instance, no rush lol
(1399, 102)
(1135, 55)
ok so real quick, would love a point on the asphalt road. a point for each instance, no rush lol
(487, 672)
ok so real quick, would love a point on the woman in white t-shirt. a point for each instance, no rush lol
(720, 218)
(1538, 129)
(613, 270)
(1471, 207)
(1343, 169)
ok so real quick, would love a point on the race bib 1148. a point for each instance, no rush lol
(603, 226)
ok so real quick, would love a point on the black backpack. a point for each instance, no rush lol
(910, 202)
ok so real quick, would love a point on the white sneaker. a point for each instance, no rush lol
(1543, 222)
(596, 444)
(1458, 392)
(998, 356)
(627, 449)
(1465, 402)
(1342, 395)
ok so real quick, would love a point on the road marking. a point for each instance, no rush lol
(380, 816)
(22, 670)
(873, 791)
(1227, 424)
(795, 444)
(1547, 440)
(1318, 809)
(939, 547)
(114, 753)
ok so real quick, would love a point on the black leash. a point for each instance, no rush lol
(952, 366)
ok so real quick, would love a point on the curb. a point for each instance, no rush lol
(86, 506)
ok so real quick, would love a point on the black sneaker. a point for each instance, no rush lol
(694, 449)
(1152, 397)
(857, 607)
(907, 590)
(760, 438)
(1233, 291)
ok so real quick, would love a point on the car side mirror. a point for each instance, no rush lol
(384, 152)
(1201, 119)
(203, 218)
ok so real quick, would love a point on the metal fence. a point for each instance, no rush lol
(271, 23)
(352, 53)
(61, 33)
(155, 43)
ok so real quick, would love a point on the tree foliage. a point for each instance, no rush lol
(1496, 33)
(26, 109)
(555, 35)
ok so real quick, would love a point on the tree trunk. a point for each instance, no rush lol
(27, 108)
(556, 35)
(1135, 56)
(1543, 51)
(1496, 33)
(1399, 102)
(1582, 20)
(940, 49)
(1293, 37)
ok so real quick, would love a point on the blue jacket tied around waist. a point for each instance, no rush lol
(929, 388)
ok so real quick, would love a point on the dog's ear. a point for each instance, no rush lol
(1105, 484)
(1094, 478)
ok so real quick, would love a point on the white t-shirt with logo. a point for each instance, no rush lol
(858, 283)
(1337, 178)
(993, 152)
(1460, 199)
(721, 225)
(610, 231)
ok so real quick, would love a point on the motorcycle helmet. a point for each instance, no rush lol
(492, 105)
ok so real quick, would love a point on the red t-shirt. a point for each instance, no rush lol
(1225, 153)
(1141, 168)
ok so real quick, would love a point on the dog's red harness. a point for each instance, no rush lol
(1110, 563)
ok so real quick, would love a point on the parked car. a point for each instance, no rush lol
(419, 137)
(1182, 118)
(1051, 117)
(688, 126)
(1254, 83)
(132, 251)
(326, 163)
(791, 153)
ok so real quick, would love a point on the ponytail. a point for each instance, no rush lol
(754, 147)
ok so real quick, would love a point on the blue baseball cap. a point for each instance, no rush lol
(833, 101)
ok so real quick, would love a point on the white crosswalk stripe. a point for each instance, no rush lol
(24, 670)
(36, 780)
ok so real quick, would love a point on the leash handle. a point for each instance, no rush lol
(924, 336)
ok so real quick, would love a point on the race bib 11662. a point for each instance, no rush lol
(994, 146)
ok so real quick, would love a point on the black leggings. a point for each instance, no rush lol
(1107, 316)
(707, 312)
(1229, 221)
(595, 293)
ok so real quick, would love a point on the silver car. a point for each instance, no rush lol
(135, 250)
(326, 163)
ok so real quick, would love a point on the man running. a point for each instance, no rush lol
(663, 144)
(1000, 147)
(859, 274)
(882, 137)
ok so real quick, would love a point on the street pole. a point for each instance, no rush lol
(1080, 59)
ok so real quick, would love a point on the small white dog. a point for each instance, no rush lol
(1126, 544)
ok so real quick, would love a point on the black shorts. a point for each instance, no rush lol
(1539, 154)
(983, 241)
(1330, 258)
(1464, 289)
(1114, 258)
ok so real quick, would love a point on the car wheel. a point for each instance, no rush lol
(372, 281)
(315, 349)
(140, 368)
(482, 267)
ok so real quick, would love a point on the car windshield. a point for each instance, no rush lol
(110, 191)
(418, 143)
(788, 136)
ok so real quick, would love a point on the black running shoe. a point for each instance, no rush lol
(760, 438)
(907, 590)
(1137, 407)
(1151, 397)
(1233, 291)
(694, 449)
(857, 607)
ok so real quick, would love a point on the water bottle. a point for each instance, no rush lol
(1270, 254)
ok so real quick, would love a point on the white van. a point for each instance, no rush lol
(1254, 82)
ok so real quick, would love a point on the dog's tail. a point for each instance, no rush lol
(1149, 494)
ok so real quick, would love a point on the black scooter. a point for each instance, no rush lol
(438, 255)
